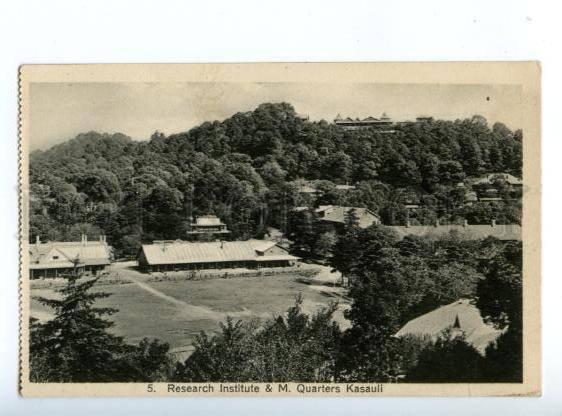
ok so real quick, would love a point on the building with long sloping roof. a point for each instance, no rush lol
(461, 317)
(53, 259)
(506, 232)
(184, 255)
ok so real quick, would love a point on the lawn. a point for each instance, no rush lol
(176, 311)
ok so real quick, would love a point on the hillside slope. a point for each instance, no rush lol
(243, 168)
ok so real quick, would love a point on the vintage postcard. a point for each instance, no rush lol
(334, 229)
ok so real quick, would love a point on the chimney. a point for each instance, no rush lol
(222, 243)
(37, 240)
(437, 222)
(407, 223)
(84, 239)
(494, 222)
(465, 224)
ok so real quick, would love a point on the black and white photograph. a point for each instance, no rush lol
(266, 234)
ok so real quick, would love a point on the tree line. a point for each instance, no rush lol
(246, 169)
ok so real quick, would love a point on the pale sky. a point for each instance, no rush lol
(60, 111)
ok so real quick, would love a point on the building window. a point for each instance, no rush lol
(55, 257)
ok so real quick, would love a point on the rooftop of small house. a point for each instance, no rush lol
(492, 177)
(336, 213)
(463, 315)
(306, 187)
(53, 254)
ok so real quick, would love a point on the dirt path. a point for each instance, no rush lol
(192, 311)
(325, 275)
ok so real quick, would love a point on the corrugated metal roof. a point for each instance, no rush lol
(183, 252)
(472, 232)
(262, 245)
(89, 253)
(275, 257)
(476, 331)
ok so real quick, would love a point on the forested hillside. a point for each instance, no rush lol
(243, 170)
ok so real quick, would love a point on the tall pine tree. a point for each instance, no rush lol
(75, 345)
(345, 249)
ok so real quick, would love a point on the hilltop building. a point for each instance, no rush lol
(53, 259)
(384, 123)
(182, 255)
(459, 318)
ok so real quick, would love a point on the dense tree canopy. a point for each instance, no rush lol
(241, 169)
(500, 298)
(295, 347)
(393, 281)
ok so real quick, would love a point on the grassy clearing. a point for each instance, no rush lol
(143, 314)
